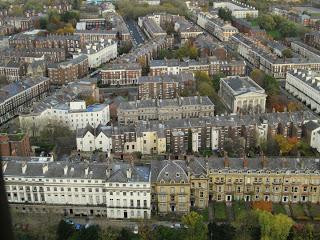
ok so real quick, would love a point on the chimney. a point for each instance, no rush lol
(226, 159)
(4, 166)
(245, 160)
(86, 171)
(24, 167)
(108, 172)
(129, 172)
(264, 161)
(45, 168)
(65, 170)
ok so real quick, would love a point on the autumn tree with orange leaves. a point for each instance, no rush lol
(262, 205)
(286, 144)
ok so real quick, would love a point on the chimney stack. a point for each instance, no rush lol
(86, 171)
(65, 170)
(263, 160)
(226, 159)
(24, 167)
(45, 168)
(245, 160)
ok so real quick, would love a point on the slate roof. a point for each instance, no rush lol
(78, 170)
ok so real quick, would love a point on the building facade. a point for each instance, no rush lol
(155, 109)
(121, 74)
(242, 94)
(19, 96)
(113, 190)
(305, 85)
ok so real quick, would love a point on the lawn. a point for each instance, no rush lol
(278, 208)
(238, 208)
(219, 211)
(314, 210)
(298, 212)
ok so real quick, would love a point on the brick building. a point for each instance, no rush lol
(15, 144)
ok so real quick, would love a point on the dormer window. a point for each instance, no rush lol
(167, 174)
(177, 174)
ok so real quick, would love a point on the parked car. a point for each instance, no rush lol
(136, 229)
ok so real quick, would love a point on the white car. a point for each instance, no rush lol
(136, 229)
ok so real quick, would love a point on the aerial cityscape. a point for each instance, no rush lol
(160, 119)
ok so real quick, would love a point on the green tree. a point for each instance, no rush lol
(167, 233)
(225, 14)
(92, 232)
(197, 229)
(274, 227)
(266, 22)
(220, 232)
(108, 234)
(64, 230)
(287, 53)
(258, 76)
(288, 29)
(271, 85)
(247, 226)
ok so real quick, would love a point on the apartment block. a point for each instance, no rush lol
(65, 72)
(305, 85)
(155, 109)
(113, 190)
(18, 96)
(121, 73)
(165, 86)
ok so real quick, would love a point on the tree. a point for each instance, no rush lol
(288, 29)
(92, 232)
(220, 232)
(216, 81)
(281, 227)
(108, 234)
(266, 22)
(145, 232)
(64, 230)
(262, 205)
(287, 53)
(225, 14)
(274, 226)
(247, 226)
(197, 229)
(167, 233)
(271, 85)
(286, 144)
(301, 232)
(258, 76)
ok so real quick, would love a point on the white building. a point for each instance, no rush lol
(238, 9)
(242, 94)
(99, 52)
(311, 134)
(305, 85)
(73, 115)
(216, 26)
(90, 139)
(114, 190)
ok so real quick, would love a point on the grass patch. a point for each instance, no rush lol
(238, 208)
(298, 212)
(278, 208)
(219, 211)
(314, 210)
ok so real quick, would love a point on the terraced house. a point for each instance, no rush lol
(113, 190)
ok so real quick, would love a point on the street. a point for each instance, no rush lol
(135, 32)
